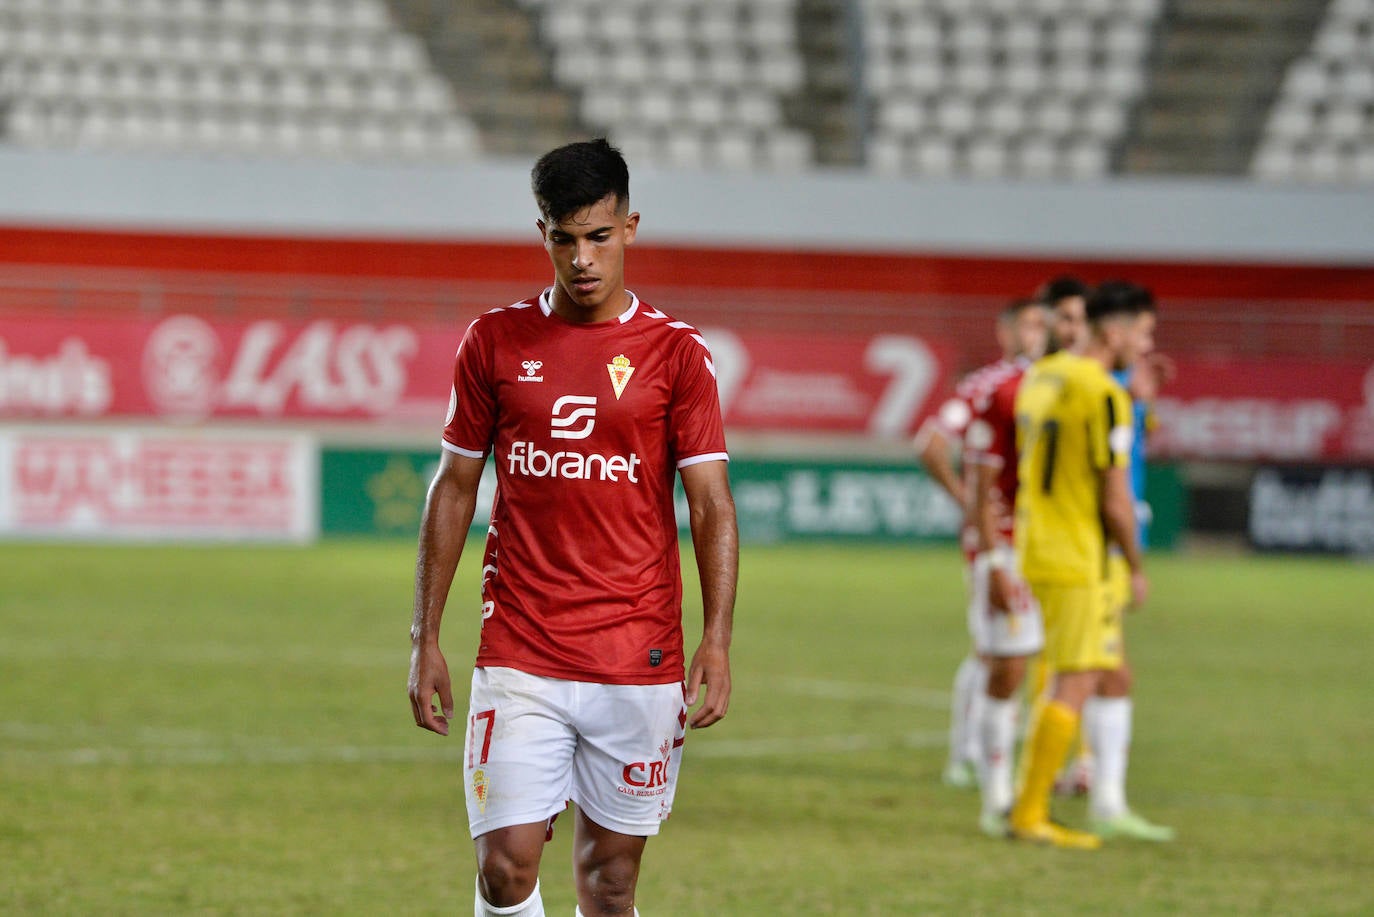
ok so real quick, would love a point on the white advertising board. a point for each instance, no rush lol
(153, 484)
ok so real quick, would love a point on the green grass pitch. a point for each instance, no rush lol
(225, 731)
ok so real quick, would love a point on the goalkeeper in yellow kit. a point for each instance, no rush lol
(1074, 431)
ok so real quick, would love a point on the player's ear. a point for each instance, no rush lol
(543, 229)
(631, 227)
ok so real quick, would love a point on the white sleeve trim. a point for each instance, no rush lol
(461, 451)
(708, 457)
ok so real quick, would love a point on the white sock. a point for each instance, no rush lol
(533, 906)
(998, 733)
(1110, 738)
(969, 680)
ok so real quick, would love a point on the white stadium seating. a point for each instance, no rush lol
(683, 83)
(316, 77)
(992, 88)
(1321, 127)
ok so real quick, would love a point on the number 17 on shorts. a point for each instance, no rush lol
(534, 743)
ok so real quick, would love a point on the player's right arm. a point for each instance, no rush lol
(449, 509)
(983, 512)
(935, 450)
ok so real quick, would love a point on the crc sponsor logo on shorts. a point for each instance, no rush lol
(646, 779)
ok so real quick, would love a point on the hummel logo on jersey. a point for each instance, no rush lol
(531, 367)
(576, 423)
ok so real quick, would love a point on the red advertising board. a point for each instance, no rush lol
(96, 482)
(189, 368)
(192, 368)
(1270, 409)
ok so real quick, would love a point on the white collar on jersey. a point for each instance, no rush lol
(546, 305)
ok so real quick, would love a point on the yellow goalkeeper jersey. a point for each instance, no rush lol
(1073, 421)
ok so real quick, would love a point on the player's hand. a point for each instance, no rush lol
(1140, 588)
(710, 666)
(999, 591)
(429, 676)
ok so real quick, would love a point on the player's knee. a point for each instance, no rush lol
(1117, 682)
(610, 885)
(1005, 676)
(506, 877)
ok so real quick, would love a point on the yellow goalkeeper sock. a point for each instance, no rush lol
(1051, 735)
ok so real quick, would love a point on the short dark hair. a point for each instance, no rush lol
(578, 175)
(1119, 297)
(1061, 287)
(1014, 308)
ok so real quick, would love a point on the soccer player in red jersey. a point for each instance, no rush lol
(1003, 616)
(590, 402)
(1020, 334)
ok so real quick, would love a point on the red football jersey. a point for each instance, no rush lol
(588, 425)
(956, 415)
(991, 440)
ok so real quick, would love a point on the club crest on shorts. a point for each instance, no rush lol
(479, 789)
(621, 371)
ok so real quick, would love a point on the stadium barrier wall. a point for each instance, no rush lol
(1266, 290)
(872, 387)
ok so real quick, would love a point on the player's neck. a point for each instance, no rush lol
(1099, 352)
(568, 309)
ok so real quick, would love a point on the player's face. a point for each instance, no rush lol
(1032, 332)
(1006, 338)
(1140, 338)
(587, 249)
(1070, 328)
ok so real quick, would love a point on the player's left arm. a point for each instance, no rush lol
(1114, 435)
(715, 541)
(1118, 514)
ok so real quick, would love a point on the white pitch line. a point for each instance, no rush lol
(248, 752)
(268, 753)
(829, 689)
(212, 654)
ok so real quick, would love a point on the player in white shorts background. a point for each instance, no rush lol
(1003, 616)
(590, 402)
(1020, 335)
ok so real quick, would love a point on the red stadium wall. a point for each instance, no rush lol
(1275, 360)
(734, 268)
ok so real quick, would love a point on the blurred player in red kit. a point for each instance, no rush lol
(1004, 618)
(591, 402)
(1021, 336)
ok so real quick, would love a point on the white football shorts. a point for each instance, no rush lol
(1018, 633)
(534, 743)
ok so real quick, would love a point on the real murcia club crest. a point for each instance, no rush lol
(621, 371)
(479, 788)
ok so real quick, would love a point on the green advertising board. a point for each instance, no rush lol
(382, 492)
(1167, 495)
(374, 491)
(815, 499)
